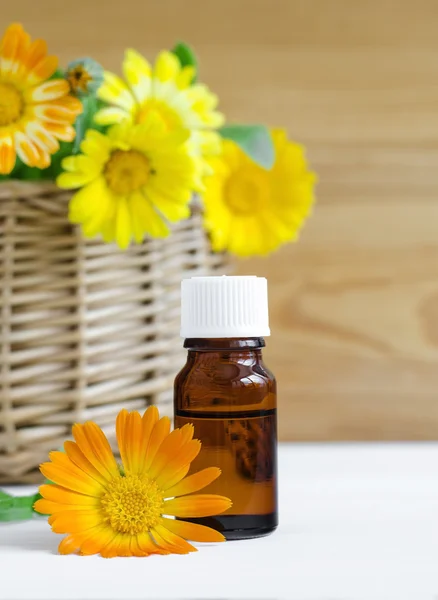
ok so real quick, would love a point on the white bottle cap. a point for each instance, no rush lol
(224, 307)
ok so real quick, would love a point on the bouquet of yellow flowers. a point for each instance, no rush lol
(135, 149)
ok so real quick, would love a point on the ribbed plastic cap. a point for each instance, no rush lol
(224, 307)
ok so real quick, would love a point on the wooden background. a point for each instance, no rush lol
(354, 305)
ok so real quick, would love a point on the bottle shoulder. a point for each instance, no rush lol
(226, 380)
(228, 368)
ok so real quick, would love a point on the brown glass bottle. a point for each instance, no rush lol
(229, 395)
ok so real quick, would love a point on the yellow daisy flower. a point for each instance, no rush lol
(166, 91)
(252, 211)
(35, 112)
(131, 179)
(128, 512)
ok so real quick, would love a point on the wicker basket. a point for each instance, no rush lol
(85, 328)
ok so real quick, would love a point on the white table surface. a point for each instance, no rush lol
(358, 522)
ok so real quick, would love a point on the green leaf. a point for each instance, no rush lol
(30, 173)
(58, 74)
(187, 57)
(16, 508)
(255, 141)
(5, 499)
(84, 121)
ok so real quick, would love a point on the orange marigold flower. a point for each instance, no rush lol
(35, 111)
(128, 511)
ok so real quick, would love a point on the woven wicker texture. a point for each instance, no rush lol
(86, 329)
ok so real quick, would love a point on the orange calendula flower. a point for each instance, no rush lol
(35, 111)
(128, 511)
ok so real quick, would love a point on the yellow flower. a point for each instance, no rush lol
(251, 211)
(125, 512)
(130, 180)
(166, 91)
(35, 112)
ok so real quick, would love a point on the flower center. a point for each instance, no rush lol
(78, 78)
(132, 505)
(166, 114)
(11, 104)
(127, 171)
(245, 192)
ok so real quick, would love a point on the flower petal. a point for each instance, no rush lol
(76, 455)
(121, 421)
(26, 149)
(135, 548)
(170, 541)
(197, 505)
(13, 48)
(115, 91)
(95, 446)
(96, 145)
(194, 482)
(7, 155)
(167, 66)
(49, 90)
(62, 111)
(193, 531)
(62, 495)
(71, 181)
(35, 54)
(110, 115)
(71, 521)
(72, 479)
(168, 450)
(43, 160)
(43, 508)
(41, 137)
(187, 432)
(87, 201)
(134, 441)
(118, 546)
(185, 77)
(123, 224)
(71, 103)
(185, 456)
(148, 421)
(176, 477)
(137, 72)
(147, 544)
(139, 62)
(83, 164)
(47, 507)
(97, 222)
(129, 430)
(65, 133)
(174, 209)
(96, 539)
(159, 433)
(69, 545)
(12, 41)
(145, 219)
(42, 70)
(68, 461)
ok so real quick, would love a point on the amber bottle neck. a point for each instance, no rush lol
(214, 344)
